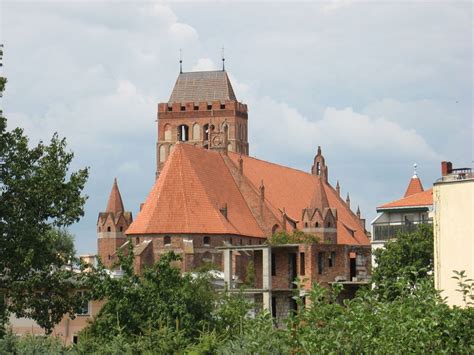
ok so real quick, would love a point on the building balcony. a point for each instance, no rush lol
(389, 230)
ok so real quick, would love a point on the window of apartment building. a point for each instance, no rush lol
(273, 264)
(83, 308)
(302, 264)
(332, 259)
(320, 262)
(167, 240)
(206, 240)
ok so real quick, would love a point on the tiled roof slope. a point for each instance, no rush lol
(203, 86)
(293, 190)
(188, 195)
(424, 198)
(414, 186)
(195, 183)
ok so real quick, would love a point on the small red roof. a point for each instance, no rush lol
(414, 186)
(424, 198)
(115, 204)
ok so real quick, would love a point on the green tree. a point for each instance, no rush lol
(38, 195)
(160, 297)
(403, 262)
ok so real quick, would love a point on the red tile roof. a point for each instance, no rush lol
(196, 183)
(424, 198)
(414, 186)
(115, 203)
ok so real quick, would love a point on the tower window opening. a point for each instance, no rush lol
(318, 168)
(121, 228)
(306, 224)
(329, 224)
(317, 225)
(183, 133)
(206, 132)
(196, 108)
(170, 108)
(183, 108)
(222, 106)
(108, 229)
(209, 107)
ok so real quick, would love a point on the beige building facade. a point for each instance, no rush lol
(453, 196)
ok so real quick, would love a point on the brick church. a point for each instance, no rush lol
(210, 193)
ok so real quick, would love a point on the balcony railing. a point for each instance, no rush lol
(389, 230)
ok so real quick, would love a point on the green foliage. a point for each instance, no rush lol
(297, 237)
(465, 287)
(29, 344)
(160, 298)
(39, 196)
(403, 262)
(250, 274)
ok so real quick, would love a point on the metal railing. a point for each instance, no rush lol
(389, 230)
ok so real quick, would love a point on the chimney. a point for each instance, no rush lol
(446, 168)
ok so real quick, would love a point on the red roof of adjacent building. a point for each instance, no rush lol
(414, 186)
(424, 198)
(197, 185)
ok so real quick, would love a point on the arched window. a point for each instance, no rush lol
(108, 229)
(318, 168)
(306, 224)
(206, 240)
(317, 225)
(196, 132)
(162, 153)
(329, 224)
(121, 228)
(183, 133)
(205, 130)
(167, 240)
(167, 132)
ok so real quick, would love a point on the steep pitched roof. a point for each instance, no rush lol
(115, 204)
(196, 183)
(420, 199)
(203, 86)
(188, 196)
(414, 186)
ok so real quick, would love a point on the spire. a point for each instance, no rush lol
(319, 167)
(223, 59)
(115, 203)
(358, 212)
(180, 61)
(414, 185)
(338, 188)
(262, 191)
(348, 200)
(241, 164)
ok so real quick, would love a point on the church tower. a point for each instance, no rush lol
(203, 111)
(111, 227)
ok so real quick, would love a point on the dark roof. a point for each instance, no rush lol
(202, 86)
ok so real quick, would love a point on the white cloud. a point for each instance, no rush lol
(204, 64)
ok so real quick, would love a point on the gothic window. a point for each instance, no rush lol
(108, 229)
(205, 129)
(196, 132)
(306, 224)
(183, 108)
(222, 106)
(317, 225)
(121, 228)
(209, 107)
(183, 133)
(318, 168)
(162, 153)
(206, 241)
(167, 240)
(167, 132)
(196, 108)
(329, 224)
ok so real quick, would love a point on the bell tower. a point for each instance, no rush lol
(202, 109)
(111, 227)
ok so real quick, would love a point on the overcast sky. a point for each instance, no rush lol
(379, 86)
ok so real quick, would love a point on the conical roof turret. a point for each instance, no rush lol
(115, 203)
